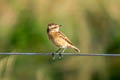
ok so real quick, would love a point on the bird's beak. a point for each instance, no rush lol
(60, 25)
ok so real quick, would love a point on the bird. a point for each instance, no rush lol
(59, 39)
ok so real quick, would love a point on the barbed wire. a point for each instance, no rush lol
(64, 54)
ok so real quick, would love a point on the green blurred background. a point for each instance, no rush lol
(92, 25)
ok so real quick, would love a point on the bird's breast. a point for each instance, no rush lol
(53, 36)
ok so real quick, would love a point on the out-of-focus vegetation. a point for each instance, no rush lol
(92, 25)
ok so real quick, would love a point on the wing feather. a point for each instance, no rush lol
(64, 37)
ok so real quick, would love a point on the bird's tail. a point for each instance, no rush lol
(75, 48)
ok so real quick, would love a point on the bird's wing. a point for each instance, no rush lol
(64, 37)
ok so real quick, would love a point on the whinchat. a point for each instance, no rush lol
(59, 39)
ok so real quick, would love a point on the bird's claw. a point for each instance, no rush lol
(53, 56)
(60, 56)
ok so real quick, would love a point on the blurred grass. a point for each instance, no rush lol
(93, 26)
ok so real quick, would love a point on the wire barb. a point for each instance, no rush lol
(65, 54)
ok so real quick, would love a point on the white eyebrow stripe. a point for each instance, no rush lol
(53, 26)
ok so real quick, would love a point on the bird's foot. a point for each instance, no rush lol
(60, 56)
(53, 56)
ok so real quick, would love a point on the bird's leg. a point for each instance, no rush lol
(54, 53)
(58, 50)
(60, 54)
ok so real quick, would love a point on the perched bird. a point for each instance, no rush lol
(59, 39)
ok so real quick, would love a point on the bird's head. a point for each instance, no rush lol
(53, 27)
